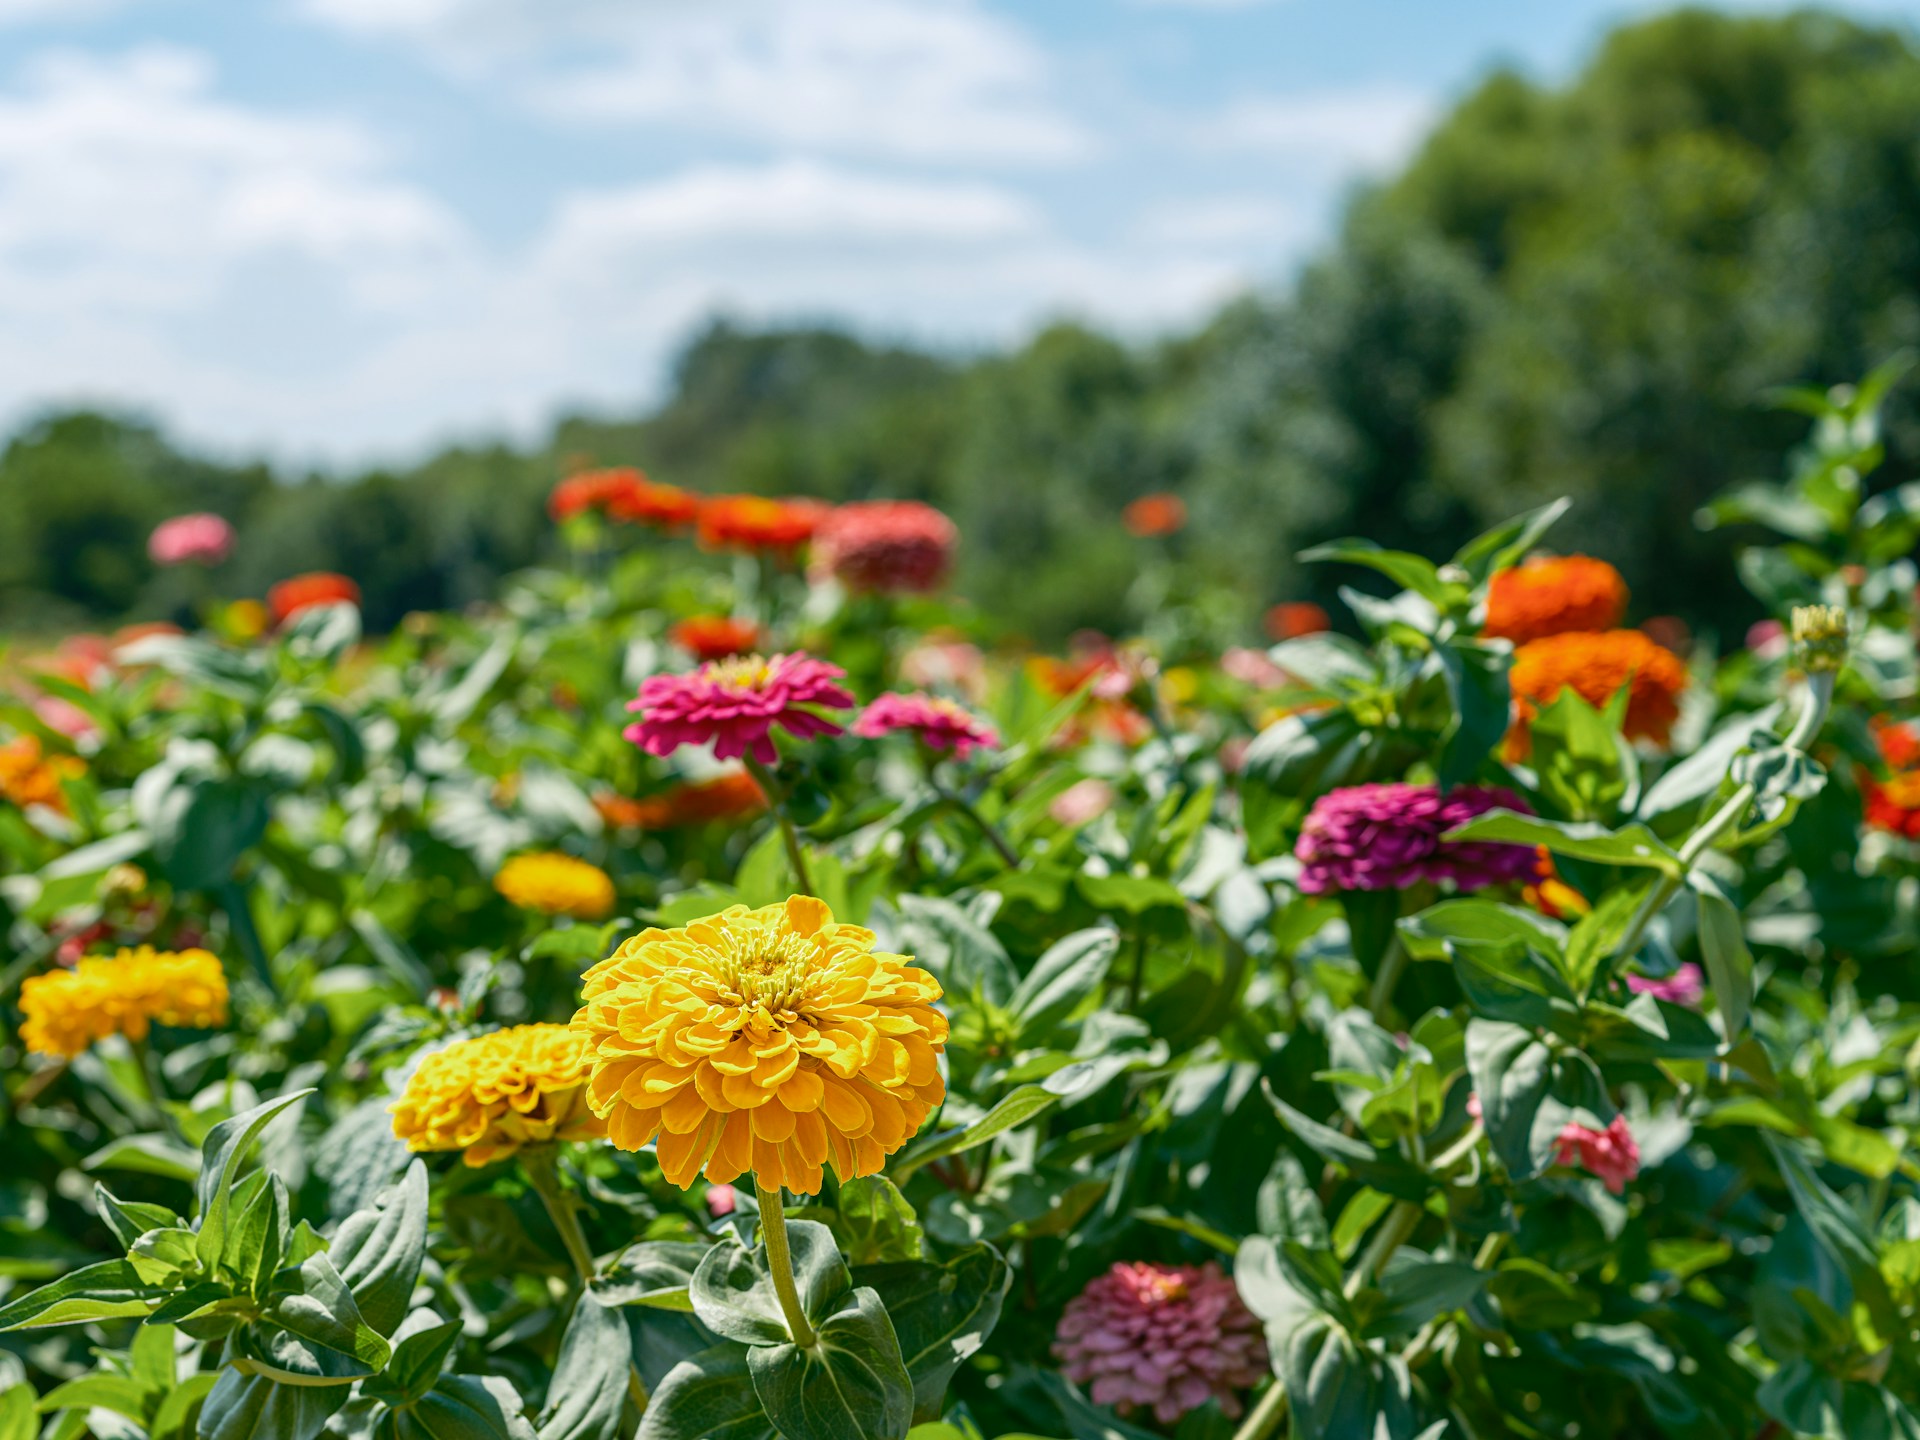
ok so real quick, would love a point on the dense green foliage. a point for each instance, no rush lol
(1581, 290)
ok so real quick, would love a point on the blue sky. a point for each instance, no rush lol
(337, 230)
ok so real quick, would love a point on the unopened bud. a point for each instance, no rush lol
(1820, 637)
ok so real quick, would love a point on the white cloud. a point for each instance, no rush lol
(1368, 128)
(927, 79)
(1237, 221)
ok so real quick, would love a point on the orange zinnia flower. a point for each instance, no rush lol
(1595, 667)
(715, 637)
(646, 502)
(27, 777)
(1152, 516)
(592, 490)
(758, 525)
(1553, 595)
(731, 795)
(303, 592)
(1291, 619)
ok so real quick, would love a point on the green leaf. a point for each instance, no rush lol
(1529, 1092)
(178, 1415)
(322, 1311)
(1701, 773)
(942, 1315)
(1411, 572)
(588, 1395)
(130, 1219)
(733, 1293)
(252, 1250)
(1533, 1297)
(1508, 543)
(709, 1395)
(1418, 1291)
(958, 949)
(117, 1393)
(1630, 845)
(1482, 702)
(655, 1274)
(874, 1223)
(1069, 972)
(417, 1362)
(379, 1251)
(1016, 1108)
(18, 1420)
(106, 1291)
(1584, 767)
(1723, 945)
(1597, 935)
(851, 1382)
(464, 1407)
(221, 1152)
(254, 1407)
(202, 825)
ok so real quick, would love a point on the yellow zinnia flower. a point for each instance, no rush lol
(67, 1010)
(772, 1041)
(557, 884)
(494, 1093)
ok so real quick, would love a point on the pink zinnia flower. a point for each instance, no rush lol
(736, 703)
(1163, 1337)
(1252, 667)
(1684, 987)
(1767, 639)
(1082, 802)
(721, 1200)
(885, 545)
(1611, 1154)
(200, 539)
(1387, 837)
(938, 724)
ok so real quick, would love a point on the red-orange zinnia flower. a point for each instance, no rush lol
(647, 502)
(1154, 515)
(1552, 595)
(757, 524)
(715, 637)
(591, 490)
(303, 592)
(1291, 619)
(1595, 667)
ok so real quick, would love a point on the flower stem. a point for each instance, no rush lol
(777, 797)
(773, 1227)
(235, 900)
(1008, 855)
(1265, 1417)
(1400, 1223)
(1393, 960)
(544, 1176)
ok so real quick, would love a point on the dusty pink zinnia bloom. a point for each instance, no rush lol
(1161, 1337)
(736, 703)
(200, 539)
(1611, 1154)
(1082, 802)
(885, 546)
(721, 1200)
(1684, 987)
(1252, 667)
(1387, 837)
(940, 724)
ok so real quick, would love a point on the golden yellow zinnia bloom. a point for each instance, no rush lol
(494, 1093)
(557, 884)
(67, 1010)
(773, 1041)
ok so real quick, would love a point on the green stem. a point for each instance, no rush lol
(543, 1173)
(773, 1227)
(1008, 855)
(1265, 1417)
(1430, 1332)
(1137, 981)
(777, 797)
(1392, 962)
(234, 899)
(1400, 1223)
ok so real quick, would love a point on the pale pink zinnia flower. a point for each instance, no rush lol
(1685, 986)
(1252, 667)
(1161, 1337)
(1082, 802)
(200, 539)
(885, 545)
(1612, 1154)
(721, 1200)
(939, 724)
(736, 703)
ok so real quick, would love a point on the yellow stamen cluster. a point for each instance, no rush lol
(65, 1011)
(556, 884)
(1820, 637)
(495, 1093)
(771, 1041)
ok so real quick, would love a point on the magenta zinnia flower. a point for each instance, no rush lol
(939, 724)
(1612, 1154)
(885, 545)
(1164, 1337)
(1685, 986)
(736, 703)
(190, 539)
(1387, 837)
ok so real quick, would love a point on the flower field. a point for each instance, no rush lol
(719, 989)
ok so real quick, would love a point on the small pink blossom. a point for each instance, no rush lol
(1161, 1337)
(1767, 639)
(64, 717)
(1612, 1154)
(939, 724)
(736, 703)
(1685, 986)
(199, 539)
(1252, 667)
(721, 1200)
(1082, 802)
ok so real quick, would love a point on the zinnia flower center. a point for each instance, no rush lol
(741, 672)
(767, 982)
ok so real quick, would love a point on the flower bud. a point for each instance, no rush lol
(1820, 637)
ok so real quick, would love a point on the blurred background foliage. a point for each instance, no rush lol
(1585, 289)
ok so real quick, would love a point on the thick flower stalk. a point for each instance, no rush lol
(493, 1094)
(556, 884)
(937, 723)
(734, 704)
(1387, 837)
(1596, 667)
(1162, 1338)
(885, 546)
(771, 1042)
(1554, 595)
(65, 1011)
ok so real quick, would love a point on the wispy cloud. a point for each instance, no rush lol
(1368, 127)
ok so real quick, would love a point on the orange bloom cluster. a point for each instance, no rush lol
(303, 592)
(30, 777)
(1893, 805)
(729, 796)
(1553, 595)
(623, 494)
(715, 637)
(1152, 516)
(758, 525)
(1291, 619)
(1110, 677)
(1595, 667)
